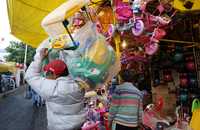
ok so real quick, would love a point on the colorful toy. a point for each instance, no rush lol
(90, 126)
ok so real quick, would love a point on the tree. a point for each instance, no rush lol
(16, 52)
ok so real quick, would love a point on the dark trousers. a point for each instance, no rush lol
(121, 127)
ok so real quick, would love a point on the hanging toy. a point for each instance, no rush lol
(193, 82)
(167, 74)
(183, 80)
(158, 34)
(190, 66)
(151, 48)
(136, 5)
(123, 11)
(178, 57)
(138, 27)
(183, 96)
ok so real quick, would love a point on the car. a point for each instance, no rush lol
(7, 82)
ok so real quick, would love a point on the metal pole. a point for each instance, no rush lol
(25, 56)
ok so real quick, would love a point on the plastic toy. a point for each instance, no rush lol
(90, 126)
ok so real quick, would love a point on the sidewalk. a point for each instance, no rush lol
(18, 113)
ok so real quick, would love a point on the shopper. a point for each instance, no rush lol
(126, 107)
(63, 95)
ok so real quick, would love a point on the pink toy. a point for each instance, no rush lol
(123, 11)
(190, 66)
(151, 117)
(158, 33)
(90, 126)
(151, 48)
(138, 28)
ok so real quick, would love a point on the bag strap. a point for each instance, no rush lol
(195, 104)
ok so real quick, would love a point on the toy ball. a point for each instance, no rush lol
(184, 82)
(192, 81)
(168, 78)
(190, 58)
(178, 57)
(183, 97)
(156, 82)
(190, 66)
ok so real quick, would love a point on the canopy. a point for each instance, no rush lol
(7, 67)
(25, 18)
(179, 4)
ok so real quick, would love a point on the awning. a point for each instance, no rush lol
(8, 67)
(179, 5)
(25, 17)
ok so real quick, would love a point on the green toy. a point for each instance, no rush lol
(195, 104)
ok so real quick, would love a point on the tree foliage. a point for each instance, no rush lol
(16, 52)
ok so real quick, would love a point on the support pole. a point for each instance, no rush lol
(25, 56)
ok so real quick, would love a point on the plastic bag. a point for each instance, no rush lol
(94, 61)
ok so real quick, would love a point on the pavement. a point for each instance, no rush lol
(18, 113)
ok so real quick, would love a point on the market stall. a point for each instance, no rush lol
(157, 40)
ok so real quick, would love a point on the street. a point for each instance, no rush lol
(18, 113)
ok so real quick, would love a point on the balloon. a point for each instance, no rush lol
(189, 58)
(168, 78)
(184, 82)
(151, 48)
(178, 57)
(183, 97)
(190, 66)
(192, 82)
(156, 82)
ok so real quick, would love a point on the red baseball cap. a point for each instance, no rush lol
(56, 66)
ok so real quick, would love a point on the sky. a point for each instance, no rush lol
(5, 35)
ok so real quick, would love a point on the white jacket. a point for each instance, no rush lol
(64, 98)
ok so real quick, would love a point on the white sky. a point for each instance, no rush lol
(4, 28)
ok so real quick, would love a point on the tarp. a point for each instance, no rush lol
(25, 18)
(8, 67)
(178, 4)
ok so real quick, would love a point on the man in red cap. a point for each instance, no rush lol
(63, 95)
